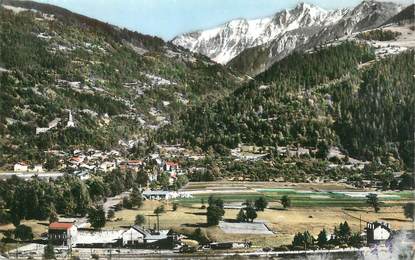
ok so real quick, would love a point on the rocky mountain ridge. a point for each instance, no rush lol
(251, 46)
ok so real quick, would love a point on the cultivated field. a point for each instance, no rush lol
(228, 185)
(301, 195)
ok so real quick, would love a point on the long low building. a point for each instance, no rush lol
(164, 195)
(29, 175)
(68, 234)
(98, 238)
(138, 237)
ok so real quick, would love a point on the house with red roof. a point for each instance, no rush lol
(63, 233)
(76, 160)
(171, 166)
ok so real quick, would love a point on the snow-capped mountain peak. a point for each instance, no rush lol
(225, 42)
(289, 28)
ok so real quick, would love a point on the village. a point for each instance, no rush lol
(176, 228)
(165, 231)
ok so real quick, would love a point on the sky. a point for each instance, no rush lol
(169, 18)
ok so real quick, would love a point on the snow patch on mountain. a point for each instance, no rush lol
(225, 42)
(303, 27)
(15, 9)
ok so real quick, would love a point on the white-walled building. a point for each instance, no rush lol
(135, 235)
(21, 167)
(70, 122)
(377, 232)
(63, 233)
(107, 166)
(164, 195)
(171, 166)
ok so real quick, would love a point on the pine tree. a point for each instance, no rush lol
(322, 238)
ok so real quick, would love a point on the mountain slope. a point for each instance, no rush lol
(301, 28)
(407, 15)
(227, 41)
(117, 84)
(313, 101)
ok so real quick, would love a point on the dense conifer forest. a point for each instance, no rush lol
(329, 97)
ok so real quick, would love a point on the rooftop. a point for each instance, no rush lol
(98, 237)
(172, 164)
(157, 192)
(61, 225)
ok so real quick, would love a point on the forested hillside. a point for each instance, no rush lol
(328, 97)
(374, 110)
(116, 83)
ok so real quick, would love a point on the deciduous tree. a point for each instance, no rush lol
(250, 213)
(23, 232)
(261, 203)
(215, 211)
(96, 217)
(139, 220)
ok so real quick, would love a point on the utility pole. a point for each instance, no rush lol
(70, 244)
(158, 223)
(413, 168)
(360, 223)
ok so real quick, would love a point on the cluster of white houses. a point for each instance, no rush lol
(69, 235)
(83, 163)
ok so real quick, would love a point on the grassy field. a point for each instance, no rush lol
(314, 207)
(38, 227)
(285, 223)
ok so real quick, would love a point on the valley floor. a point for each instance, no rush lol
(314, 207)
(284, 223)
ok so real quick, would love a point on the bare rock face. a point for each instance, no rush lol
(275, 37)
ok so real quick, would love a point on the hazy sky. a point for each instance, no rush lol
(168, 18)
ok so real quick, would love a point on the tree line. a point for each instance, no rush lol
(68, 195)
